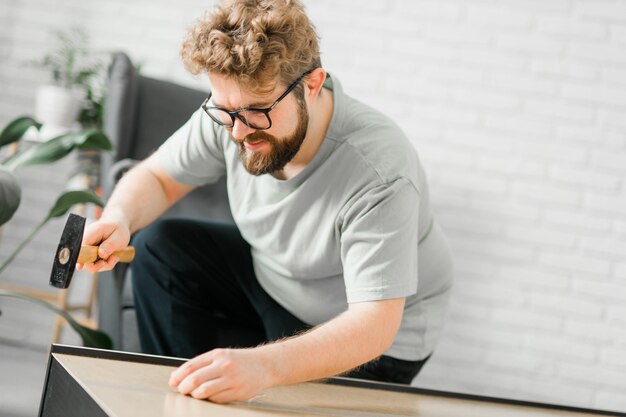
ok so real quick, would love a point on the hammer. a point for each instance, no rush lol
(70, 252)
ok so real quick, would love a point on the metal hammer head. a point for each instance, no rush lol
(67, 252)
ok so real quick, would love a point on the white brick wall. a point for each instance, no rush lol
(517, 109)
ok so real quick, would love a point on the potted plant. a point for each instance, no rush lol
(72, 100)
(10, 193)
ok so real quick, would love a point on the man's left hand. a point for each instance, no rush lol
(223, 375)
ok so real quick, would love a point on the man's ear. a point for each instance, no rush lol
(314, 82)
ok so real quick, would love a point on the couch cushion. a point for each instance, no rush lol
(164, 108)
(120, 106)
(130, 334)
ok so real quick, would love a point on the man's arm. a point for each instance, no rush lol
(360, 334)
(140, 197)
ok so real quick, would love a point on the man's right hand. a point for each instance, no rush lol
(142, 195)
(111, 236)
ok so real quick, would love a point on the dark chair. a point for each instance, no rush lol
(139, 114)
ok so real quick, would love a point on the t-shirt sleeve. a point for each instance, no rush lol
(194, 154)
(379, 243)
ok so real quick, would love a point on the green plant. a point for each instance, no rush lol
(10, 197)
(73, 65)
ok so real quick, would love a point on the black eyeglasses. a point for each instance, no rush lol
(258, 119)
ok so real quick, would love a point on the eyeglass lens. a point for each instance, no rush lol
(254, 119)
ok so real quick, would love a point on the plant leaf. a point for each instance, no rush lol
(10, 195)
(61, 206)
(58, 147)
(16, 129)
(95, 139)
(90, 337)
(69, 199)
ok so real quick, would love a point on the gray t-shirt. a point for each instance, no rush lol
(344, 230)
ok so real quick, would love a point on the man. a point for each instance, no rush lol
(320, 275)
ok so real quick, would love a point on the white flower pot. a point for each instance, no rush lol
(58, 108)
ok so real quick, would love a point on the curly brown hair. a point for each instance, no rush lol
(258, 42)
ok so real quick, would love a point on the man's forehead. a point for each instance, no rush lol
(229, 92)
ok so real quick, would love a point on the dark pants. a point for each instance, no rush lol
(195, 290)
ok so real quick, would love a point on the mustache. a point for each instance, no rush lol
(258, 136)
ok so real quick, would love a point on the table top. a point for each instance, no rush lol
(126, 387)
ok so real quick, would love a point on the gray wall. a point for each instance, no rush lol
(517, 110)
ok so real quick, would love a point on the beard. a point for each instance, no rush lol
(281, 151)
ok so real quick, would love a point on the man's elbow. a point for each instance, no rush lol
(383, 323)
(390, 331)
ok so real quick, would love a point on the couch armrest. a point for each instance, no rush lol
(111, 284)
(110, 302)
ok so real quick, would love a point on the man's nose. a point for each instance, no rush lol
(241, 130)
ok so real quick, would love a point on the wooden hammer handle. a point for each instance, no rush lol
(89, 254)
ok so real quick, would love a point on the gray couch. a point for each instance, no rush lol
(139, 114)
